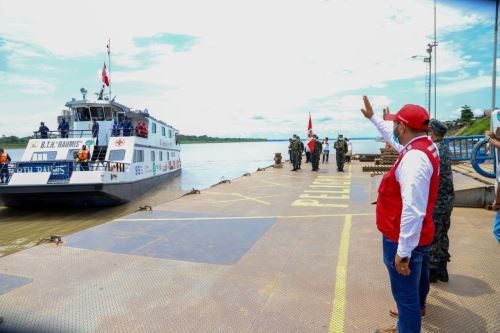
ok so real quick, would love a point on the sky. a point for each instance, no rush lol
(234, 68)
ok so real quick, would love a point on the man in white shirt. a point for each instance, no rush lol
(405, 203)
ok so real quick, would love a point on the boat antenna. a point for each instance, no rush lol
(109, 62)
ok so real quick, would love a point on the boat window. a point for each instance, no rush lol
(108, 114)
(161, 156)
(168, 155)
(44, 156)
(117, 155)
(83, 114)
(97, 112)
(152, 156)
(121, 116)
(163, 131)
(138, 155)
(72, 154)
(153, 128)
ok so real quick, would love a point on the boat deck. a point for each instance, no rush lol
(276, 251)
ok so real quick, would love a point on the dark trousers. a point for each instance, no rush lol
(4, 173)
(295, 160)
(308, 156)
(326, 154)
(340, 156)
(315, 161)
(84, 166)
(409, 292)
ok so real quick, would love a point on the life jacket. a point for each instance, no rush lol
(83, 155)
(390, 203)
(3, 158)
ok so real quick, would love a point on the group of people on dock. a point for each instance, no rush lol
(315, 148)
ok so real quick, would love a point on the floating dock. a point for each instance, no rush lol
(276, 251)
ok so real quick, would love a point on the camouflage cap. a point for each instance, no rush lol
(438, 127)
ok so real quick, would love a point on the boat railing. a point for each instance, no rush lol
(62, 135)
(61, 170)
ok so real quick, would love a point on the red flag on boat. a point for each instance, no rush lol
(310, 144)
(105, 78)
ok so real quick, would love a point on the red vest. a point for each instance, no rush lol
(390, 203)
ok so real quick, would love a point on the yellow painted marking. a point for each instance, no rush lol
(344, 190)
(243, 217)
(316, 203)
(338, 311)
(243, 199)
(324, 196)
(252, 199)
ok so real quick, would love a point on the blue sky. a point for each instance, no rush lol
(243, 68)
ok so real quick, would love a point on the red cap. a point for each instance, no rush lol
(411, 115)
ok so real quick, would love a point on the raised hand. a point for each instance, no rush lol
(386, 112)
(368, 110)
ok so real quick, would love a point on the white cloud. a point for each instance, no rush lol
(27, 85)
(462, 86)
(274, 58)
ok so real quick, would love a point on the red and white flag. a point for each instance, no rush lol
(105, 78)
(310, 143)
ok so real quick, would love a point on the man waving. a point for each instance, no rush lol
(406, 198)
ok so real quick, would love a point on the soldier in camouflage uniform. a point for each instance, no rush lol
(439, 255)
(295, 148)
(341, 149)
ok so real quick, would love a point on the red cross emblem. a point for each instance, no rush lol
(119, 142)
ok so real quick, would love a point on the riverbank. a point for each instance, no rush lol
(476, 127)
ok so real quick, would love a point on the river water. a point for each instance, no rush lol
(202, 166)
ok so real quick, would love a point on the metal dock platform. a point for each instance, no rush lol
(276, 251)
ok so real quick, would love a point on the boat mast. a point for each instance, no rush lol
(109, 61)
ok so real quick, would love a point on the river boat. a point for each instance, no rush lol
(123, 163)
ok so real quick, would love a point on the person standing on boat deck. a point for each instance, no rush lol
(326, 150)
(340, 149)
(495, 142)
(4, 166)
(63, 128)
(407, 194)
(438, 252)
(95, 131)
(83, 158)
(44, 131)
(116, 129)
(290, 150)
(127, 127)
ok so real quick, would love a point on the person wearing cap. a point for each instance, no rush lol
(438, 252)
(407, 194)
(495, 142)
(340, 150)
(295, 148)
(315, 153)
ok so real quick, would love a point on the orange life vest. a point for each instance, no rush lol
(3, 158)
(83, 155)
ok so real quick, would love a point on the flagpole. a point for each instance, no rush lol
(109, 61)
